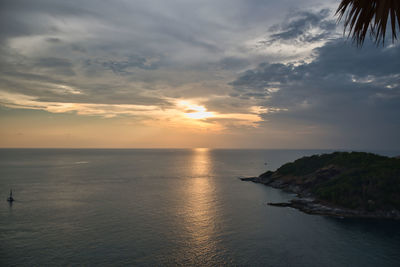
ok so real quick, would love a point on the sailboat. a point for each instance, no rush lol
(10, 198)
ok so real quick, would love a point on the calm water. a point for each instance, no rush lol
(170, 207)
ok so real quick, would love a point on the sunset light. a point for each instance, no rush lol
(194, 111)
(277, 77)
(200, 133)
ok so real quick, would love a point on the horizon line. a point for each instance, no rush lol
(210, 148)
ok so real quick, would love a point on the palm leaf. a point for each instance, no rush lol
(363, 15)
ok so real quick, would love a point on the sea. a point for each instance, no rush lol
(171, 207)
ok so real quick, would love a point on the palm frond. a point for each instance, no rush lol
(373, 15)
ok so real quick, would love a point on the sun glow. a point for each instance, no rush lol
(195, 111)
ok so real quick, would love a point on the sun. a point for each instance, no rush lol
(199, 113)
(193, 111)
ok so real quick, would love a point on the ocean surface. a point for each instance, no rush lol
(149, 207)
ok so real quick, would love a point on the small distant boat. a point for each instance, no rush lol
(10, 198)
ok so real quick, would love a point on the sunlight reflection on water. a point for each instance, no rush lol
(200, 209)
(169, 208)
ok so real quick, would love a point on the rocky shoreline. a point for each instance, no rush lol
(307, 203)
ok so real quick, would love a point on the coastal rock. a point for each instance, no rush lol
(314, 207)
(340, 184)
(249, 179)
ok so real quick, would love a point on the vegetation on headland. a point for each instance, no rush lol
(359, 181)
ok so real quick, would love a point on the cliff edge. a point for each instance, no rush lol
(344, 184)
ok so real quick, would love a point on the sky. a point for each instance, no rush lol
(185, 73)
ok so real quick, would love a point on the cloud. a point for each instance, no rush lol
(58, 65)
(54, 40)
(124, 66)
(180, 114)
(357, 92)
(21, 101)
(304, 27)
(234, 63)
(237, 59)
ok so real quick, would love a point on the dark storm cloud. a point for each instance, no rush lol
(52, 79)
(300, 26)
(233, 63)
(59, 65)
(133, 61)
(336, 63)
(24, 18)
(266, 75)
(146, 52)
(53, 40)
(357, 91)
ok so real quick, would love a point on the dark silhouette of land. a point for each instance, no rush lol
(343, 184)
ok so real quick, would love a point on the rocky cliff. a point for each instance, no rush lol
(341, 184)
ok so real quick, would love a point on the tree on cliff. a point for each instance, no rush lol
(375, 15)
